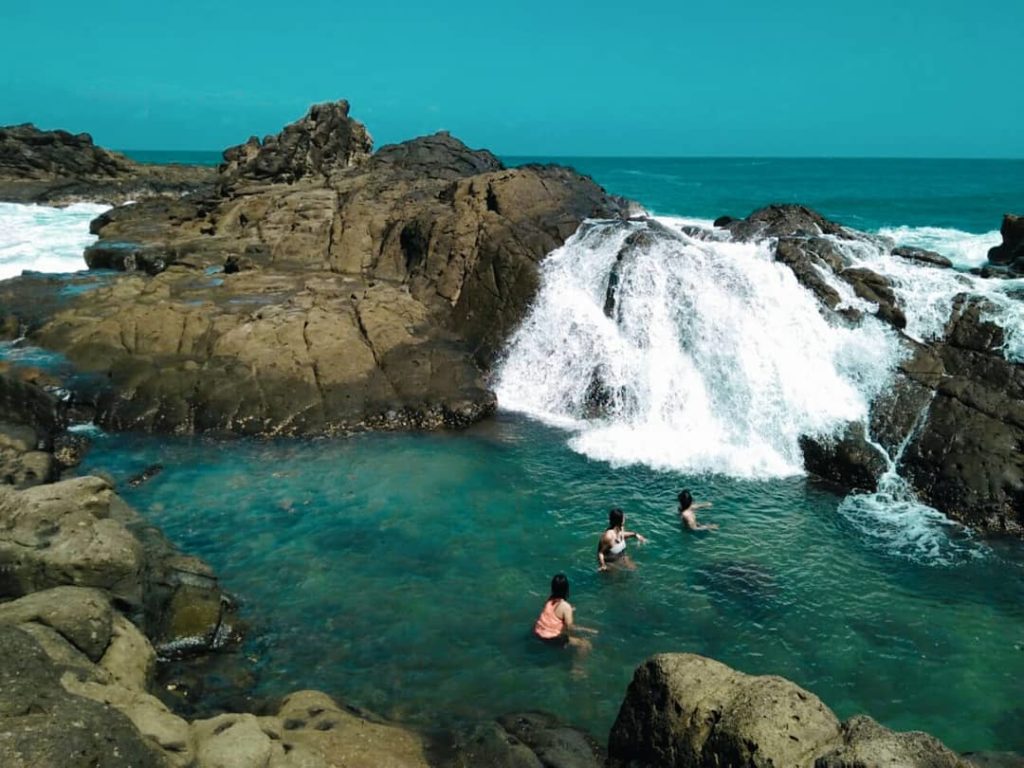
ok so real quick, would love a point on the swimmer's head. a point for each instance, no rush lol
(616, 518)
(559, 586)
(685, 499)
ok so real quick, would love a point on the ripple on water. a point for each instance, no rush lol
(403, 573)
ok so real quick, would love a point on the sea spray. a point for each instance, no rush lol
(44, 239)
(926, 294)
(702, 356)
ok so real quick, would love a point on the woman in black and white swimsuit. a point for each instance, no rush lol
(612, 546)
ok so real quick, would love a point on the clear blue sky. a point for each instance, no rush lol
(920, 78)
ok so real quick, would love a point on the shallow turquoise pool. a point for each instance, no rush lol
(403, 573)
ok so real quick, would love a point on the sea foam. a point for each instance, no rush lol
(44, 239)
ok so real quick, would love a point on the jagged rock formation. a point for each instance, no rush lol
(325, 140)
(39, 166)
(319, 289)
(688, 711)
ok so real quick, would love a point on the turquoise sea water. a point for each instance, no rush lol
(864, 193)
(403, 572)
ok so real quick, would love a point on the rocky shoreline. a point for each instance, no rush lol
(58, 168)
(311, 287)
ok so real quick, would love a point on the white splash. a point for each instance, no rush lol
(896, 521)
(964, 249)
(715, 359)
(45, 239)
(926, 293)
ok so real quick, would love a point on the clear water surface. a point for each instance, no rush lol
(403, 573)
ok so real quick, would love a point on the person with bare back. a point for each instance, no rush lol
(687, 512)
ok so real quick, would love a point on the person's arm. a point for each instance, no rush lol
(601, 547)
(570, 626)
(702, 505)
(635, 535)
(693, 525)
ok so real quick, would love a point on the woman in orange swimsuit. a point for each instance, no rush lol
(555, 624)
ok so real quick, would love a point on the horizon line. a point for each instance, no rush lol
(659, 157)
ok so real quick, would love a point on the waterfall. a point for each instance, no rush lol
(654, 345)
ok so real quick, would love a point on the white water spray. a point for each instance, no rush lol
(893, 518)
(713, 360)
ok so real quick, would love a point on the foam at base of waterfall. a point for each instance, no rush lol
(705, 357)
(908, 529)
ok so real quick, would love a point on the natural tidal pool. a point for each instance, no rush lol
(403, 573)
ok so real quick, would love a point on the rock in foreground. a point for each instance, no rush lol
(687, 711)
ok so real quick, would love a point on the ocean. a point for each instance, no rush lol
(402, 573)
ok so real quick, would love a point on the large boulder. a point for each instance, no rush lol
(63, 534)
(1011, 251)
(42, 725)
(867, 743)
(687, 711)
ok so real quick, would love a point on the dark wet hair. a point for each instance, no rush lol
(685, 500)
(615, 518)
(559, 587)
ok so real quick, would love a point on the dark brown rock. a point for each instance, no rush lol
(784, 220)
(59, 167)
(922, 256)
(849, 460)
(324, 141)
(1011, 251)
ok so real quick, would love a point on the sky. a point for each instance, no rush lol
(875, 78)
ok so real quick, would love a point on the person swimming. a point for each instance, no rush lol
(611, 547)
(687, 512)
(555, 625)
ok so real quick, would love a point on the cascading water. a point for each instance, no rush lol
(894, 518)
(926, 294)
(655, 347)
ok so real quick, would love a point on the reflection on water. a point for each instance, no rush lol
(402, 573)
